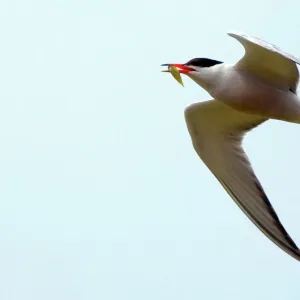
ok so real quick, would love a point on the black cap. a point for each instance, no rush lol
(203, 62)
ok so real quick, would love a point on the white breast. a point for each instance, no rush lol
(248, 93)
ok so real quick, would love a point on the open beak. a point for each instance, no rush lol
(180, 67)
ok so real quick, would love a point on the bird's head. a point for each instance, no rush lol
(196, 68)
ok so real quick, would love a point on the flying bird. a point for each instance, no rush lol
(260, 86)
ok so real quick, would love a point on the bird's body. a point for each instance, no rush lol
(239, 88)
(261, 86)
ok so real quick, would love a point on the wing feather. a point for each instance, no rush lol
(268, 61)
(217, 132)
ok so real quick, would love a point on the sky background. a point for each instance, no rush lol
(102, 195)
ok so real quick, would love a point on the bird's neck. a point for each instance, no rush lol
(208, 78)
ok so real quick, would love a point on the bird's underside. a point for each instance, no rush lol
(217, 132)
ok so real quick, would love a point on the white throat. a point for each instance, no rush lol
(208, 78)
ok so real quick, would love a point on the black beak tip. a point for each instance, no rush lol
(164, 65)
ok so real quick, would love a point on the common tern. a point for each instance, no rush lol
(260, 86)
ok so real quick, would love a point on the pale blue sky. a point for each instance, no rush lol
(103, 196)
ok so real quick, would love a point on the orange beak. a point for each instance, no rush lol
(183, 69)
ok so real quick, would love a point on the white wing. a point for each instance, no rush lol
(268, 61)
(217, 132)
